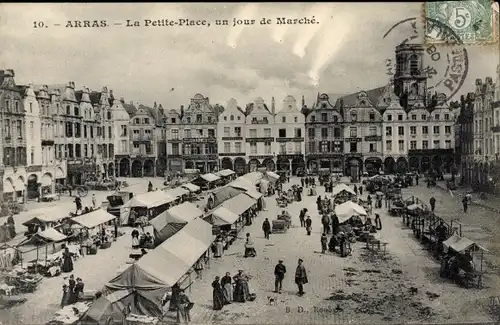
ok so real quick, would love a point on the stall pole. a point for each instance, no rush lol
(36, 265)
(190, 282)
(46, 253)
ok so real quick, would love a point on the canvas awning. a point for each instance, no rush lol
(8, 186)
(50, 235)
(93, 219)
(111, 305)
(242, 183)
(254, 194)
(44, 216)
(191, 187)
(210, 177)
(341, 188)
(273, 175)
(461, 244)
(222, 216)
(412, 207)
(224, 173)
(253, 177)
(149, 200)
(177, 192)
(347, 210)
(169, 222)
(239, 204)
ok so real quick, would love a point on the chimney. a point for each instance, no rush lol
(273, 108)
(9, 73)
(111, 93)
(154, 105)
(303, 101)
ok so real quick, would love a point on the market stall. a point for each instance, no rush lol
(252, 178)
(194, 191)
(147, 205)
(108, 307)
(342, 193)
(179, 193)
(222, 194)
(272, 176)
(152, 277)
(46, 218)
(239, 204)
(227, 175)
(347, 210)
(463, 261)
(173, 220)
(222, 219)
(206, 181)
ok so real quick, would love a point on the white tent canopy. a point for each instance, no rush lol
(273, 175)
(191, 187)
(210, 177)
(342, 187)
(93, 219)
(347, 210)
(177, 192)
(224, 173)
(149, 200)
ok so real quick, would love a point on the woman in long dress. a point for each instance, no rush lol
(65, 296)
(218, 295)
(219, 248)
(227, 285)
(241, 289)
(67, 258)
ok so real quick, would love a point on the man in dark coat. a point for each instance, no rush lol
(301, 277)
(432, 202)
(308, 225)
(335, 223)
(279, 274)
(266, 227)
(325, 220)
(301, 217)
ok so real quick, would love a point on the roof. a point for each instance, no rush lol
(273, 175)
(242, 183)
(224, 173)
(51, 234)
(341, 188)
(191, 187)
(351, 100)
(174, 257)
(222, 216)
(252, 177)
(180, 214)
(461, 244)
(149, 200)
(222, 194)
(50, 214)
(210, 177)
(239, 204)
(177, 192)
(254, 194)
(130, 108)
(348, 209)
(93, 219)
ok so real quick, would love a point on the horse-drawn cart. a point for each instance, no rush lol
(80, 191)
(280, 226)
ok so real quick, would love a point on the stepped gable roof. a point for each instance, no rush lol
(374, 95)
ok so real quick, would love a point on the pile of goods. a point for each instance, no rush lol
(70, 314)
(140, 319)
(19, 281)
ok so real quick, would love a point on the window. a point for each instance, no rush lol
(187, 133)
(282, 133)
(436, 116)
(237, 131)
(435, 144)
(296, 119)
(353, 132)
(282, 148)
(137, 121)
(20, 129)
(298, 147)
(435, 129)
(227, 130)
(447, 144)
(148, 148)
(323, 147)
(401, 145)
(413, 144)
(372, 131)
(68, 110)
(264, 119)
(77, 111)
(136, 131)
(110, 132)
(324, 133)
(447, 129)
(123, 146)
(231, 118)
(123, 129)
(324, 117)
(267, 148)
(388, 131)
(354, 117)
(188, 120)
(413, 130)
(237, 147)
(32, 155)
(31, 107)
(335, 118)
(447, 116)
(425, 130)
(173, 120)
(373, 147)
(267, 133)
(389, 117)
(311, 133)
(91, 132)
(337, 146)
(298, 133)
(423, 117)
(199, 132)
(199, 118)
(372, 116)
(227, 147)
(401, 130)
(353, 147)
(313, 119)
(253, 148)
(283, 119)
(253, 133)
(400, 117)
(425, 144)
(414, 117)
(336, 133)
(78, 150)
(32, 126)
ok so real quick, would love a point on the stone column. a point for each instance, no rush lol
(154, 168)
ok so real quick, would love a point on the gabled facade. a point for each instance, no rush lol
(121, 137)
(199, 122)
(142, 144)
(290, 136)
(231, 134)
(260, 135)
(174, 133)
(324, 142)
(33, 144)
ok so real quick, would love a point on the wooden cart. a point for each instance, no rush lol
(280, 226)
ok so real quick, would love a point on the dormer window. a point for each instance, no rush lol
(296, 119)
(68, 110)
(238, 118)
(137, 121)
(188, 120)
(209, 119)
(232, 118)
(199, 118)
(225, 118)
(172, 120)
(335, 118)
(323, 105)
(354, 117)
(109, 115)
(254, 120)
(313, 118)
(16, 106)
(283, 119)
(265, 119)
(77, 111)
(146, 121)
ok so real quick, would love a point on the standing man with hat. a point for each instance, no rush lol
(279, 273)
(300, 277)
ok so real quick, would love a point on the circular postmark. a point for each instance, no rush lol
(444, 66)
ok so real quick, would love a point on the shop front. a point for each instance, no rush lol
(81, 170)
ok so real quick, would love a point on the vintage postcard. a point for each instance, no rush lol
(250, 163)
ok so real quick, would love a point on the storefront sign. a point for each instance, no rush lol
(325, 155)
(261, 121)
(199, 140)
(75, 162)
(261, 157)
(373, 138)
(33, 169)
(259, 139)
(292, 157)
(352, 139)
(289, 139)
(201, 157)
(231, 154)
(231, 138)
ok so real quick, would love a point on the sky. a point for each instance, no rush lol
(343, 53)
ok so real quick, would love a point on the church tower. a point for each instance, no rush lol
(410, 76)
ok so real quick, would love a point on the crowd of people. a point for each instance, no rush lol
(72, 291)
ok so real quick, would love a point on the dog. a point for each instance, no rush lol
(271, 301)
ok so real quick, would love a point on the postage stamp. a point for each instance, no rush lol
(472, 20)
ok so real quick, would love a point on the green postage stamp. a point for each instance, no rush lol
(472, 21)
